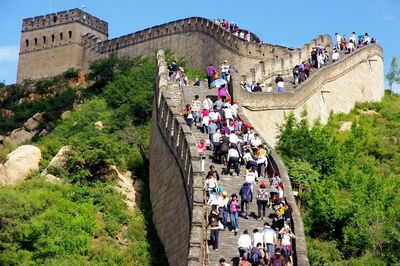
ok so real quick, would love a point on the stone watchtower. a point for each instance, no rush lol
(53, 43)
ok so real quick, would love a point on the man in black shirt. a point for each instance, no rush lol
(257, 88)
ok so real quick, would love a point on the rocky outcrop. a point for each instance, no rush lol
(28, 131)
(19, 164)
(130, 188)
(58, 161)
(20, 135)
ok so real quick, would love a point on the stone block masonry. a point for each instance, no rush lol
(176, 186)
(53, 43)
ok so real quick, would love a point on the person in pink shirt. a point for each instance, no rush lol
(233, 207)
(222, 92)
(201, 148)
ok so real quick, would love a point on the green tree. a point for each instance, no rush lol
(394, 73)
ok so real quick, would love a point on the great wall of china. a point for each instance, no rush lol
(53, 43)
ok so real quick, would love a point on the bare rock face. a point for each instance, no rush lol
(20, 135)
(19, 163)
(128, 187)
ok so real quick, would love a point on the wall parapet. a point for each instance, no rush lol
(63, 17)
(182, 146)
(293, 99)
(240, 46)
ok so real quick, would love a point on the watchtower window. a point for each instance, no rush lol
(52, 38)
(44, 39)
(35, 41)
(70, 34)
(26, 43)
(61, 36)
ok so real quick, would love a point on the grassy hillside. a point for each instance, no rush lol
(352, 178)
(83, 221)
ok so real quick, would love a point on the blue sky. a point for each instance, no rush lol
(285, 22)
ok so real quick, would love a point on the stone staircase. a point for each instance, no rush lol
(228, 248)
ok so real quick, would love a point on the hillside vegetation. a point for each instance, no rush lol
(352, 183)
(83, 221)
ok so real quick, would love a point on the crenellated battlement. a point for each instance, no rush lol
(64, 17)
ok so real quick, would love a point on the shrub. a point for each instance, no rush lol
(71, 73)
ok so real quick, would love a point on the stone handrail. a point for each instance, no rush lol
(182, 146)
(293, 99)
(227, 39)
(300, 256)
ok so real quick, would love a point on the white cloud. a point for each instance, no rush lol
(9, 53)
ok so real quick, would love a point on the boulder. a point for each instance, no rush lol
(38, 116)
(19, 164)
(65, 114)
(53, 179)
(31, 124)
(99, 125)
(60, 159)
(20, 135)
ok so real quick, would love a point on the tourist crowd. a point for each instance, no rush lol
(234, 144)
(233, 28)
(319, 58)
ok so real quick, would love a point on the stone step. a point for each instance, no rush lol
(231, 184)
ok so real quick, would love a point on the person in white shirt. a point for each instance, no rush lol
(350, 46)
(338, 40)
(233, 158)
(251, 177)
(224, 70)
(366, 39)
(286, 240)
(250, 136)
(215, 116)
(335, 56)
(234, 108)
(241, 35)
(257, 238)
(228, 115)
(208, 103)
(244, 244)
(269, 88)
(223, 208)
(269, 239)
(255, 141)
(233, 137)
(248, 36)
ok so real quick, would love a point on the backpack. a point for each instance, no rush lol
(255, 256)
(224, 148)
(263, 194)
